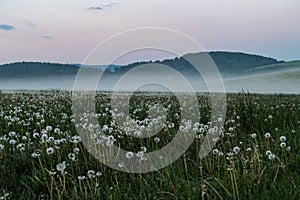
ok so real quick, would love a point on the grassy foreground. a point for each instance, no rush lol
(42, 155)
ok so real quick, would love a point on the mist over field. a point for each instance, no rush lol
(272, 82)
(230, 72)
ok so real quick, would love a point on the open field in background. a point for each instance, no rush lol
(257, 157)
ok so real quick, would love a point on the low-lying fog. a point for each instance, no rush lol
(280, 82)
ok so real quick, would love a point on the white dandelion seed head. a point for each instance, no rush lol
(76, 150)
(12, 134)
(236, 149)
(215, 151)
(282, 138)
(157, 139)
(36, 135)
(144, 149)
(129, 155)
(12, 142)
(49, 150)
(267, 135)
(61, 166)
(268, 152)
(57, 130)
(91, 173)
(48, 128)
(72, 156)
(271, 157)
(81, 177)
(282, 144)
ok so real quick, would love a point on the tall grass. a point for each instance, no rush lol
(257, 157)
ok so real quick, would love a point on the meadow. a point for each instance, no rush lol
(42, 155)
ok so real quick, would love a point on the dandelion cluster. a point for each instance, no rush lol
(253, 146)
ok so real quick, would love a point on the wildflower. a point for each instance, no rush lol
(35, 155)
(76, 139)
(157, 139)
(271, 157)
(236, 149)
(230, 129)
(171, 125)
(36, 135)
(144, 149)
(1, 146)
(282, 144)
(12, 134)
(215, 151)
(282, 138)
(91, 173)
(12, 142)
(61, 166)
(50, 139)
(267, 135)
(44, 137)
(76, 150)
(110, 140)
(57, 142)
(48, 128)
(199, 136)
(104, 128)
(288, 148)
(129, 154)
(49, 150)
(57, 130)
(81, 177)
(268, 152)
(253, 135)
(220, 119)
(98, 174)
(72, 156)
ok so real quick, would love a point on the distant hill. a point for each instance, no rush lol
(284, 66)
(36, 69)
(229, 63)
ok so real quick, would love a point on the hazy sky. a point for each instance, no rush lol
(66, 31)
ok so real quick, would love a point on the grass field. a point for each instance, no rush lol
(43, 157)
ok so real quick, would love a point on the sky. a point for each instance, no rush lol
(66, 31)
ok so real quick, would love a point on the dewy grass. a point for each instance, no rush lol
(43, 157)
